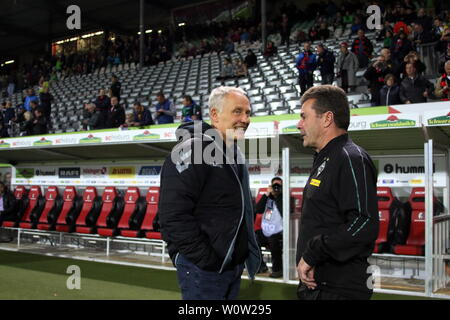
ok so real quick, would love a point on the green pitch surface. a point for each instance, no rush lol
(29, 276)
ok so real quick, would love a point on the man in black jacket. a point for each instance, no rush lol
(7, 208)
(339, 222)
(116, 114)
(325, 63)
(414, 88)
(205, 206)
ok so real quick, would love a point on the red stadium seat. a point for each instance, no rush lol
(90, 210)
(258, 218)
(34, 197)
(297, 194)
(415, 244)
(131, 204)
(70, 207)
(52, 202)
(21, 195)
(152, 199)
(385, 201)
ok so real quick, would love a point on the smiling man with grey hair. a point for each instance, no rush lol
(205, 207)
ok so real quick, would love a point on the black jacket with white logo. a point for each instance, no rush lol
(205, 209)
(339, 221)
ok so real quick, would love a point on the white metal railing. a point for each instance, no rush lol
(441, 251)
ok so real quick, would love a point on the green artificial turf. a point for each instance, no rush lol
(30, 276)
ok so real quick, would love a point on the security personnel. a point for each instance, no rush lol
(339, 222)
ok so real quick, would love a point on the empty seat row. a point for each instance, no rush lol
(109, 215)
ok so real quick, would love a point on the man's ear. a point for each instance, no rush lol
(213, 115)
(329, 119)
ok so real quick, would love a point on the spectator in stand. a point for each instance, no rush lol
(165, 109)
(362, 47)
(414, 88)
(443, 84)
(357, 25)
(271, 50)
(285, 29)
(103, 103)
(392, 66)
(306, 63)
(141, 116)
(421, 35)
(11, 85)
(94, 119)
(423, 19)
(191, 111)
(323, 33)
(9, 116)
(390, 92)
(444, 42)
(443, 60)
(31, 96)
(25, 122)
(38, 124)
(401, 46)
(227, 71)
(388, 39)
(116, 114)
(312, 33)
(412, 57)
(240, 69)
(325, 63)
(347, 65)
(250, 59)
(46, 99)
(438, 28)
(205, 47)
(375, 74)
(115, 87)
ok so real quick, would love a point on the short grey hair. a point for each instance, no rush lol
(217, 96)
(447, 63)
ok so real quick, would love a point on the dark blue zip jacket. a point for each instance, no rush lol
(204, 203)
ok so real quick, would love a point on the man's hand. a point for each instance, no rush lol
(269, 190)
(306, 274)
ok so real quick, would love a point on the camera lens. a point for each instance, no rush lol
(276, 187)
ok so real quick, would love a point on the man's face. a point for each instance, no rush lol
(114, 101)
(386, 53)
(360, 33)
(234, 119)
(102, 93)
(447, 69)
(186, 102)
(160, 99)
(410, 70)
(307, 46)
(319, 49)
(310, 125)
(277, 191)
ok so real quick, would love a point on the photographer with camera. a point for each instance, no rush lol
(271, 205)
(375, 75)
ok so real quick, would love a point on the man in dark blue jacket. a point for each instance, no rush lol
(165, 109)
(141, 116)
(339, 222)
(205, 205)
(306, 63)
